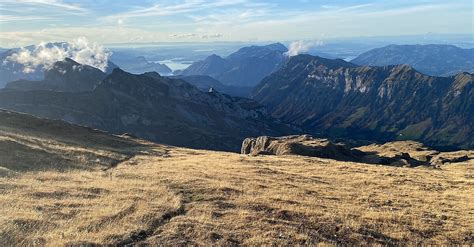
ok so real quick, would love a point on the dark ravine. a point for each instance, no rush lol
(335, 98)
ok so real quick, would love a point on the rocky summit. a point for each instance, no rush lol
(340, 99)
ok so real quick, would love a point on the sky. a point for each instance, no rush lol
(24, 22)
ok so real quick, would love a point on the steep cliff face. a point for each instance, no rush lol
(152, 107)
(337, 98)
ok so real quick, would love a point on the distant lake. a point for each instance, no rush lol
(175, 64)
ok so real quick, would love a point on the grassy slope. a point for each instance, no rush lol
(157, 194)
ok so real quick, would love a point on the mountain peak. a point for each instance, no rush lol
(118, 71)
(152, 74)
(277, 47)
(64, 76)
(214, 57)
(307, 59)
(69, 60)
(432, 59)
(403, 68)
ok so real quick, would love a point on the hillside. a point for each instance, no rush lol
(161, 195)
(340, 99)
(436, 60)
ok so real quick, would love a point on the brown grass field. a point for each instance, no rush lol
(67, 185)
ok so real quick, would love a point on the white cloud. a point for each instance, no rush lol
(300, 46)
(176, 9)
(183, 35)
(49, 3)
(45, 55)
(233, 20)
(210, 36)
(12, 18)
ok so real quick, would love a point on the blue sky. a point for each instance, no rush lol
(25, 22)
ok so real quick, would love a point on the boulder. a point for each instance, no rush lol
(304, 145)
(401, 153)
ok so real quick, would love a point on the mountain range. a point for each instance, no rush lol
(138, 64)
(324, 97)
(148, 105)
(63, 76)
(341, 99)
(13, 71)
(243, 68)
(436, 60)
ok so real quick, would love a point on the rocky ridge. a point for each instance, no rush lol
(402, 153)
(335, 98)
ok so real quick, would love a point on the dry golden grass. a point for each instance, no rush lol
(54, 208)
(202, 197)
(28, 143)
(159, 195)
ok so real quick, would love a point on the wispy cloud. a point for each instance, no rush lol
(176, 9)
(12, 18)
(47, 3)
(112, 21)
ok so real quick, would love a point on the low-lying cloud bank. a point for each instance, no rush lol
(44, 55)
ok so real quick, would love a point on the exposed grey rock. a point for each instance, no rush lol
(393, 153)
(298, 145)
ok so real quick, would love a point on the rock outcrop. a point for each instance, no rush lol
(402, 153)
(298, 145)
(417, 153)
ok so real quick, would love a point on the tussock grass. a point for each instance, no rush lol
(61, 208)
(202, 197)
(28, 143)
